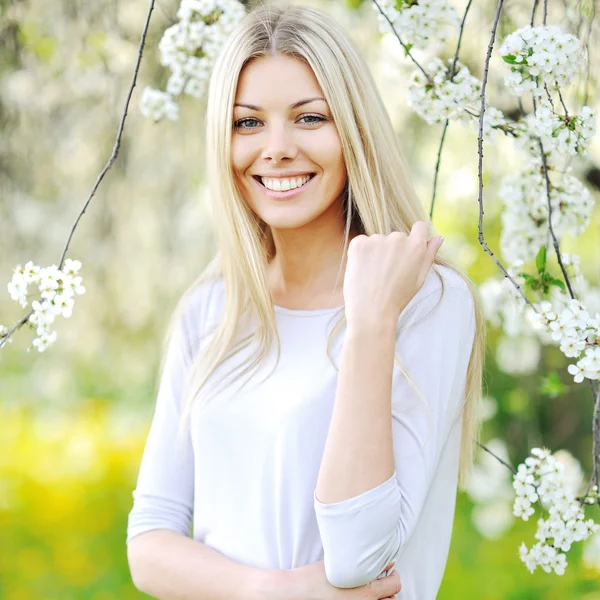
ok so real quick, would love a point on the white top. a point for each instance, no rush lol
(246, 476)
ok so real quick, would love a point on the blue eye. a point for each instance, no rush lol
(319, 119)
(238, 124)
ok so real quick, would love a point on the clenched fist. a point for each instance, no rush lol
(384, 272)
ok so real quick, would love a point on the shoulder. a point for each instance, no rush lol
(443, 286)
(199, 308)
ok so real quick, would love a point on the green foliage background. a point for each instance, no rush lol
(74, 419)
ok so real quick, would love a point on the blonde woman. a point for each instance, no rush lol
(319, 387)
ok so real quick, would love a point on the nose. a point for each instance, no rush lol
(279, 143)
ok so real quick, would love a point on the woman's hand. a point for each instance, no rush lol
(310, 583)
(384, 272)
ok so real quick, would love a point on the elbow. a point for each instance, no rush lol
(351, 574)
(137, 551)
(347, 569)
(135, 564)
(342, 576)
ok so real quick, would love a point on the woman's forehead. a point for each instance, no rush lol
(277, 80)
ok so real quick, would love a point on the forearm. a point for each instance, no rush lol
(169, 566)
(358, 453)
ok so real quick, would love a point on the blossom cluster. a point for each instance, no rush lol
(518, 351)
(525, 208)
(541, 477)
(503, 307)
(578, 333)
(420, 23)
(189, 48)
(57, 289)
(541, 56)
(155, 105)
(442, 97)
(561, 134)
(439, 97)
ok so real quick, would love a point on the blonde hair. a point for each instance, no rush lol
(379, 196)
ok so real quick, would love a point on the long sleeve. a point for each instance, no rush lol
(363, 534)
(164, 496)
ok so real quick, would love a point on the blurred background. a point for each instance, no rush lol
(75, 418)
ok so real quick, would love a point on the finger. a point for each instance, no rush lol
(391, 585)
(420, 230)
(433, 246)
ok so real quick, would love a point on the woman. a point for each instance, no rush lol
(318, 395)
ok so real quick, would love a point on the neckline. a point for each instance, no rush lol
(299, 312)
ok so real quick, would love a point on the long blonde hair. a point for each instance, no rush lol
(379, 196)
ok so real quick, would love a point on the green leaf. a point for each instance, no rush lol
(511, 59)
(407, 50)
(540, 260)
(558, 283)
(526, 276)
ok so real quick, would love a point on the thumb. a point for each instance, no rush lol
(433, 245)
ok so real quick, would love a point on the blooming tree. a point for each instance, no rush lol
(542, 202)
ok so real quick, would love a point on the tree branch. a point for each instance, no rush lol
(108, 165)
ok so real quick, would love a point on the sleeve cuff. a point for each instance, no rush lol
(375, 495)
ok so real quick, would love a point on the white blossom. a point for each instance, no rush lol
(540, 56)
(439, 97)
(189, 49)
(525, 208)
(155, 105)
(560, 134)
(554, 481)
(4, 332)
(57, 289)
(419, 24)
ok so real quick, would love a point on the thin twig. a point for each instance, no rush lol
(535, 5)
(401, 42)
(596, 444)
(480, 152)
(108, 165)
(496, 456)
(460, 34)
(563, 103)
(552, 234)
(437, 167)
(452, 74)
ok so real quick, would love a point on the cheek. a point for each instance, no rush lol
(330, 152)
(241, 157)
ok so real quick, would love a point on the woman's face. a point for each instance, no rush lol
(275, 139)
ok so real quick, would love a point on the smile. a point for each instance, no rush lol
(283, 193)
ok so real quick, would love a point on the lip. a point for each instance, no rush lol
(280, 175)
(283, 195)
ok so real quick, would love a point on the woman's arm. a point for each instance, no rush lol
(169, 566)
(364, 529)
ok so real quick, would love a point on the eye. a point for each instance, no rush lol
(319, 118)
(240, 124)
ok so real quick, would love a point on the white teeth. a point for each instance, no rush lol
(282, 185)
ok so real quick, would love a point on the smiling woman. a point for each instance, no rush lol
(277, 139)
(326, 464)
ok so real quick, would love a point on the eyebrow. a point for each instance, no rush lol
(292, 106)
